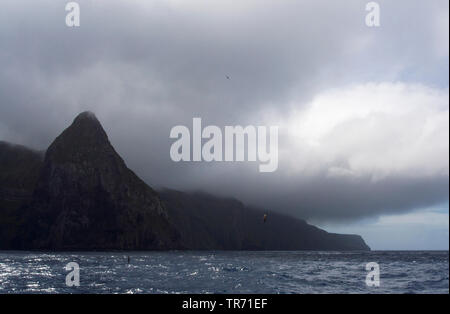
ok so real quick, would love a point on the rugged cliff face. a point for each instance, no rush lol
(19, 170)
(209, 222)
(82, 196)
(86, 198)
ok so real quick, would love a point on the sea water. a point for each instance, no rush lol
(225, 272)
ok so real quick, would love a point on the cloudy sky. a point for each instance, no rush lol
(363, 112)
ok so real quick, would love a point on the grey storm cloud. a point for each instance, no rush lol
(146, 66)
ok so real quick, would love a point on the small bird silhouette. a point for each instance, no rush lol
(227, 77)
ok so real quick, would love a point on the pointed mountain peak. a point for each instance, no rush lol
(83, 139)
(90, 199)
(86, 125)
(86, 115)
(87, 119)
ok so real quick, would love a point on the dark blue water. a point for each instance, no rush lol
(225, 272)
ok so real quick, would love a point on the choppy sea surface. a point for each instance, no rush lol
(225, 272)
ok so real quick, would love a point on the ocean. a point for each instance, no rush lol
(224, 272)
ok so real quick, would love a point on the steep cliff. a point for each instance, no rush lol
(208, 222)
(86, 198)
(82, 196)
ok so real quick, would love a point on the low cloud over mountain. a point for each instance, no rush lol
(362, 112)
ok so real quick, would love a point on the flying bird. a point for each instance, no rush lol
(227, 77)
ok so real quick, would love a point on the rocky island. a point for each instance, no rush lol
(80, 195)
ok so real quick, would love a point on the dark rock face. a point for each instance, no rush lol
(207, 222)
(19, 170)
(81, 196)
(86, 198)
